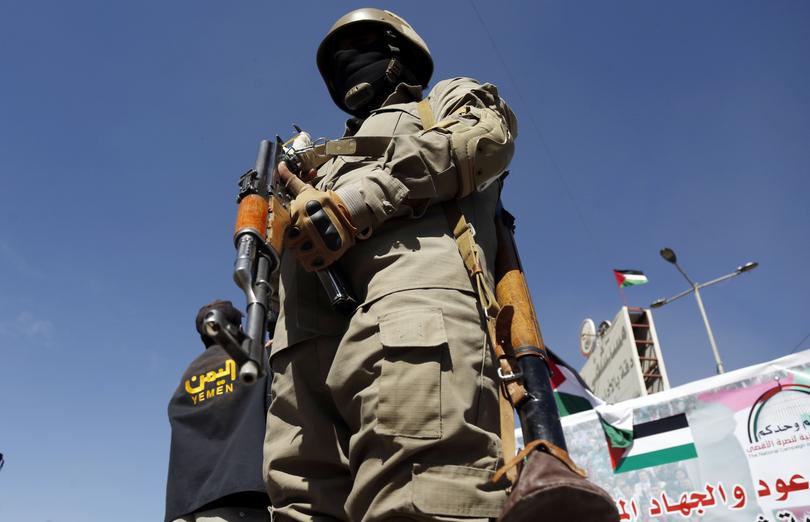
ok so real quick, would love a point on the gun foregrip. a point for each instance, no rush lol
(252, 216)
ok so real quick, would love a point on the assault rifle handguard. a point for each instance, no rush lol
(255, 261)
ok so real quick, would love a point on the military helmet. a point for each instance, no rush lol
(412, 44)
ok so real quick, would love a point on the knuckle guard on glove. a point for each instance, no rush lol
(322, 231)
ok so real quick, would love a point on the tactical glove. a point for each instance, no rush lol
(320, 228)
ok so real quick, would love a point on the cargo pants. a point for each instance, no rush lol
(397, 419)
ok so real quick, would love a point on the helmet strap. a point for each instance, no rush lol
(359, 96)
(364, 93)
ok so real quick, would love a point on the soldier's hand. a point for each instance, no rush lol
(320, 229)
(228, 311)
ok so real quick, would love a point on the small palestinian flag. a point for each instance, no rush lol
(570, 391)
(617, 423)
(629, 277)
(653, 443)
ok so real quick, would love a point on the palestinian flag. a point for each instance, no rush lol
(629, 277)
(570, 391)
(653, 443)
(617, 423)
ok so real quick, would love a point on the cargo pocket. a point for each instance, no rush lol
(456, 491)
(413, 343)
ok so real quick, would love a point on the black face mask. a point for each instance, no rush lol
(360, 79)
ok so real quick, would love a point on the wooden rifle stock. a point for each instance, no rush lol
(519, 333)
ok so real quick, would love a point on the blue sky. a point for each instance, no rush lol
(124, 127)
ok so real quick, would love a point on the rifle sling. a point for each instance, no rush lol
(463, 233)
(358, 146)
(316, 155)
(512, 393)
(465, 241)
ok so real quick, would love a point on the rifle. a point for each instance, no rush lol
(549, 482)
(255, 261)
(539, 417)
(299, 159)
(264, 200)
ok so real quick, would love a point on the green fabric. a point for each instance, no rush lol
(618, 438)
(657, 458)
(631, 282)
(568, 404)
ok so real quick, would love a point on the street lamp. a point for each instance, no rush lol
(669, 255)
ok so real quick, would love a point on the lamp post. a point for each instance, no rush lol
(669, 255)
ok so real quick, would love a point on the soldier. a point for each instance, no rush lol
(392, 412)
(217, 432)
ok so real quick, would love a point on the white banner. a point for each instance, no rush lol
(731, 447)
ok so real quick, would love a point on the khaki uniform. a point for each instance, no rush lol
(391, 413)
(227, 514)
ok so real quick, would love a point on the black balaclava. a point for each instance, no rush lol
(364, 77)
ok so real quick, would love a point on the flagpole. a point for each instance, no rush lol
(624, 298)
